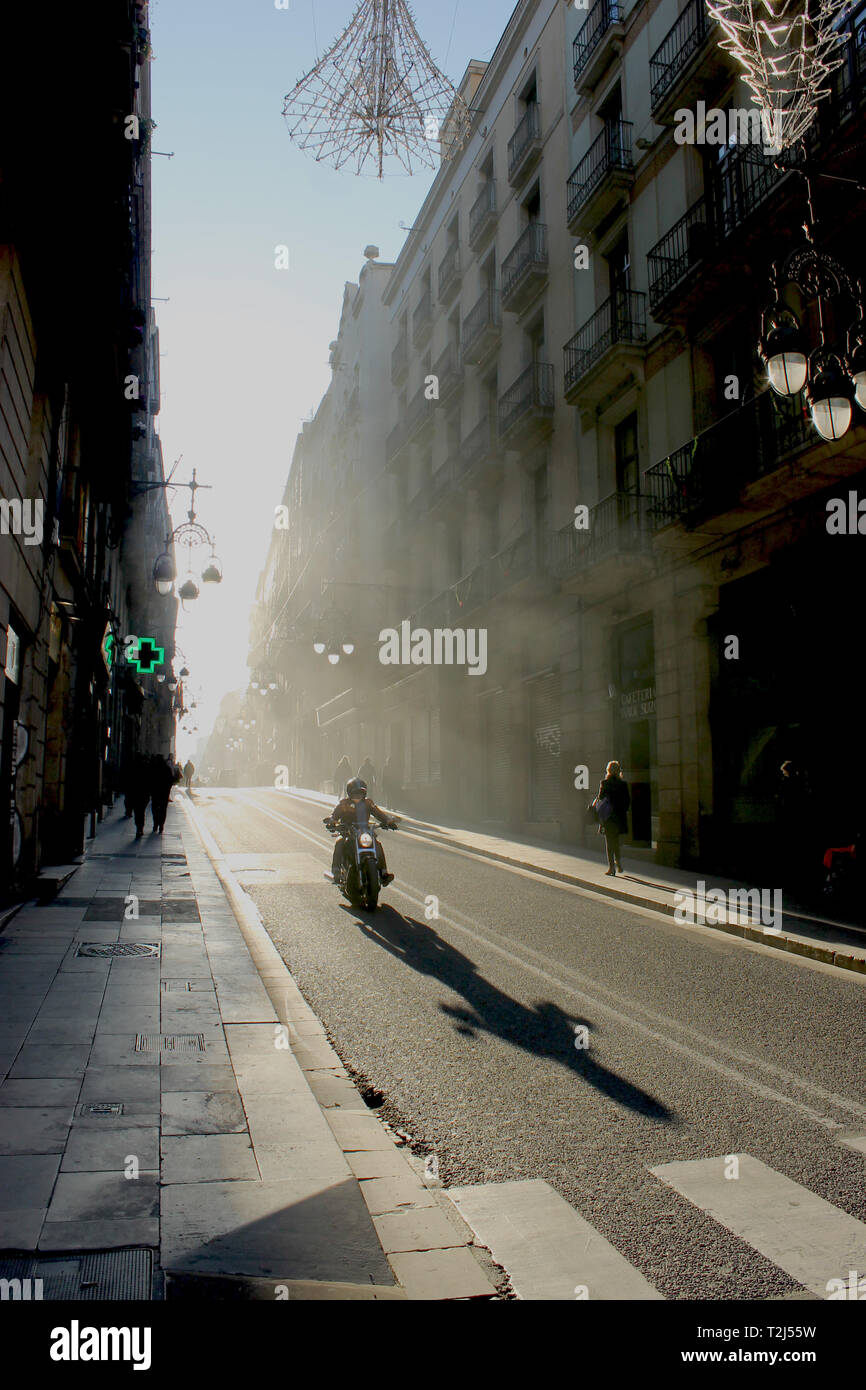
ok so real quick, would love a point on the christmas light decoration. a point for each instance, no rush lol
(377, 98)
(787, 50)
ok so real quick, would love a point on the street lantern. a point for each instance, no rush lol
(829, 393)
(188, 590)
(782, 348)
(164, 573)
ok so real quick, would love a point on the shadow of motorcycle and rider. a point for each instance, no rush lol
(545, 1030)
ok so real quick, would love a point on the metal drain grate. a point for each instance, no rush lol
(175, 986)
(102, 1107)
(81, 1275)
(169, 1042)
(119, 948)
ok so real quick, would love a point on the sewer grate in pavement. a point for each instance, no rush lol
(102, 1107)
(86, 1275)
(119, 948)
(169, 1042)
(175, 986)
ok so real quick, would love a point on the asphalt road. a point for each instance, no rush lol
(700, 1045)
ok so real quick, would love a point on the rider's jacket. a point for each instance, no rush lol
(344, 811)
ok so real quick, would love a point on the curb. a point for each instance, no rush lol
(827, 955)
(398, 1201)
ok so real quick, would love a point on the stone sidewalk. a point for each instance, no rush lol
(165, 1087)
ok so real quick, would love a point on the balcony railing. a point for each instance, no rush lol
(396, 439)
(449, 269)
(533, 390)
(529, 251)
(621, 522)
(603, 14)
(400, 358)
(448, 370)
(611, 150)
(676, 48)
(418, 412)
(709, 472)
(509, 565)
(422, 318)
(482, 214)
(478, 443)
(528, 130)
(739, 183)
(683, 247)
(620, 319)
(483, 315)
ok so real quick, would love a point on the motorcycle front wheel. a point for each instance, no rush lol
(371, 888)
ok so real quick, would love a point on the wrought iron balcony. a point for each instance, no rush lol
(525, 267)
(619, 526)
(707, 475)
(482, 215)
(481, 327)
(676, 50)
(679, 251)
(525, 144)
(511, 564)
(448, 370)
(475, 449)
(422, 320)
(605, 16)
(738, 184)
(396, 440)
(400, 359)
(419, 413)
(620, 320)
(529, 399)
(449, 272)
(606, 168)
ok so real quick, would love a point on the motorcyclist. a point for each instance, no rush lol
(343, 814)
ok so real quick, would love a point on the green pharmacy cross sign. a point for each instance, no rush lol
(144, 654)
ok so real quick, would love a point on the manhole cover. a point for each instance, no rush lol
(118, 948)
(83, 1276)
(173, 986)
(169, 1042)
(102, 1107)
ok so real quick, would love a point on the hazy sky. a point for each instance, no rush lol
(245, 346)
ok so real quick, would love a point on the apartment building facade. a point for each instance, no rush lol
(584, 461)
(79, 392)
(322, 585)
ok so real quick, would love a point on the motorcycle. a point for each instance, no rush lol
(359, 879)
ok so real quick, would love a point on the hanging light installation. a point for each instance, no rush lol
(376, 99)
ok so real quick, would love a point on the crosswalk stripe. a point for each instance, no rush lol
(550, 1252)
(810, 1239)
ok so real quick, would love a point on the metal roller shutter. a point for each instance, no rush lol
(544, 755)
(497, 757)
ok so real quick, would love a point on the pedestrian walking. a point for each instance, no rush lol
(611, 806)
(163, 776)
(343, 775)
(138, 786)
(367, 773)
(390, 782)
(188, 772)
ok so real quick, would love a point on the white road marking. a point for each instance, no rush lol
(550, 1252)
(662, 1034)
(808, 1238)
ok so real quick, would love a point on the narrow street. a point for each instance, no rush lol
(700, 1045)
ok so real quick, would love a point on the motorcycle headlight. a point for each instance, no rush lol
(365, 840)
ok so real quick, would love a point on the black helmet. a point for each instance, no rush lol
(356, 785)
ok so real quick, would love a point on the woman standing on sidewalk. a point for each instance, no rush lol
(613, 790)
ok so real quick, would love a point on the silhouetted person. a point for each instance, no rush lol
(138, 786)
(163, 776)
(188, 773)
(367, 772)
(614, 789)
(342, 776)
